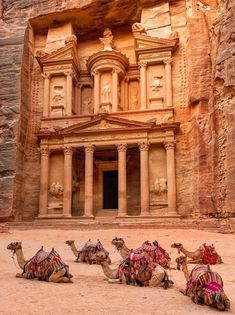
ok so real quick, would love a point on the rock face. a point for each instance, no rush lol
(204, 95)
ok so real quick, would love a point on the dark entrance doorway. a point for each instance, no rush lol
(110, 189)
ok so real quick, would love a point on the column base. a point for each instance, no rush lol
(88, 217)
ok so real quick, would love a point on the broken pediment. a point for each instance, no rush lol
(102, 123)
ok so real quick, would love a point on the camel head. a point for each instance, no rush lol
(69, 242)
(155, 243)
(177, 245)
(14, 246)
(101, 257)
(180, 260)
(215, 298)
(118, 242)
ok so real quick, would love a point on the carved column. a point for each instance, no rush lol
(115, 90)
(44, 178)
(122, 202)
(67, 195)
(143, 85)
(167, 63)
(79, 98)
(89, 152)
(126, 96)
(96, 75)
(171, 183)
(144, 178)
(69, 92)
(46, 94)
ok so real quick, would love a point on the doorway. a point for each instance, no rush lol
(110, 190)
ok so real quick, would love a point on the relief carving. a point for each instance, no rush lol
(138, 28)
(156, 84)
(160, 186)
(56, 190)
(58, 95)
(107, 40)
(106, 92)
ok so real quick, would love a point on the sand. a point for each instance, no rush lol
(90, 293)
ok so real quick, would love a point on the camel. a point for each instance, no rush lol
(204, 254)
(159, 255)
(204, 286)
(154, 278)
(88, 253)
(42, 266)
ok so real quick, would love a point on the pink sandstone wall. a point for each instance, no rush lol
(203, 96)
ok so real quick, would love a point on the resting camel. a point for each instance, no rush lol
(203, 285)
(158, 254)
(89, 251)
(42, 266)
(154, 278)
(204, 254)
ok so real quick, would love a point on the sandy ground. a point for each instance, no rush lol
(90, 293)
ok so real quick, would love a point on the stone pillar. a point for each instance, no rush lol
(67, 195)
(79, 98)
(115, 90)
(44, 179)
(69, 92)
(46, 94)
(143, 85)
(126, 96)
(144, 178)
(96, 75)
(167, 63)
(89, 152)
(171, 183)
(122, 202)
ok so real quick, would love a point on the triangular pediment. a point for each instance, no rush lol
(105, 123)
(143, 42)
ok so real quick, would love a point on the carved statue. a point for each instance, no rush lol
(156, 83)
(138, 28)
(134, 101)
(56, 190)
(58, 95)
(106, 92)
(107, 40)
(75, 184)
(160, 186)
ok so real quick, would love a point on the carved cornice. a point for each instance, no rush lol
(89, 148)
(68, 150)
(122, 147)
(169, 145)
(143, 146)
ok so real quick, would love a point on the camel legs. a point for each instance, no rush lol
(58, 276)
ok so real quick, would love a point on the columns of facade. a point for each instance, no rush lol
(44, 180)
(168, 82)
(79, 98)
(96, 75)
(89, 152)
(67, 194)
(143, 85)
(46, 94)
(144, 178)
(171, 181)
(122, 201)
(115, 90)
(126, 96)
(69, 92)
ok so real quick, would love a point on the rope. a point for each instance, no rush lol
(13, 258)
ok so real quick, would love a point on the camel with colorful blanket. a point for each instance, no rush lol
(137, 268)
(205, 254)
(204, 286)
(42, 266)
(88, 252)
(157, 253)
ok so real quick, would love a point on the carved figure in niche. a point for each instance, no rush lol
(58, 95)
(138, 28)
(156, 83)
(106, 92)
(107, 40)
(56, 190)
(75, 184)
(160, 186)
(134, 101)
(87, 104)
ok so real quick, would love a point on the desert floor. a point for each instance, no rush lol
(90, 293)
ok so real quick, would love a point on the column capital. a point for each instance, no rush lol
(95, 72)
(44, 151)
(46, 75)
(169, 144)
(68, 150)
(115, 70)
(143, 64)
(69, 73)
(122, 147)
(143, 146)
(167, 61)
(90, 148)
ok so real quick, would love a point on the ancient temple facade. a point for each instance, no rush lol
(107, 133)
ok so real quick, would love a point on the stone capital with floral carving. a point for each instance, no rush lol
(69, 73)
(169, 145)
(68, 150)
(143, 146)
(143, 64)
(167, 61)
(44, 151)
(122, 147)
(90, 148)
(46, 75)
